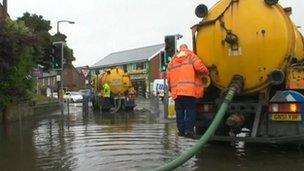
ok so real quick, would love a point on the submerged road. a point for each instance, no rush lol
(134, 140)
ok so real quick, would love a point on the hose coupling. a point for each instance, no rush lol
(237, 83)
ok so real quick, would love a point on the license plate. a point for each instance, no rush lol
(286, 117)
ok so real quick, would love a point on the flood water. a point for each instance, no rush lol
(124, 141)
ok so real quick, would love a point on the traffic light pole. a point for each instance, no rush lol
(60, 92)
(166, 57)
(61, 80)
(166, 97)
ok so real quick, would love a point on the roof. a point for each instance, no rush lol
(81, 67)
(129, 56)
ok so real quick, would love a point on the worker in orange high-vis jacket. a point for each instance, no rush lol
(185, 86)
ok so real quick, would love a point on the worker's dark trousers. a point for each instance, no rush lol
(107, 102)
(185, 107)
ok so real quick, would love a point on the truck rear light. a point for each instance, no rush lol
(205, 108)
(284, 108)
(294, 107)
(274, 108)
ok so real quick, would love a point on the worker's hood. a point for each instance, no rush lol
(181, 56)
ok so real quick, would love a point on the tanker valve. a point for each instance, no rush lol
(277, 77)
(232, 40)
(271, 2)
(235, 120)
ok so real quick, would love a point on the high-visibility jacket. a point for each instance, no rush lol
(106, 90)
(183, 75)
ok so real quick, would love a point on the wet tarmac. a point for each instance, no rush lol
(135, 140)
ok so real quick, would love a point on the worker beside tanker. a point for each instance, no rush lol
(185, 86)
(106, 95)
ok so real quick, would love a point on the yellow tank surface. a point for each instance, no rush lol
(248, 38)
(118, 80)
(298, 51)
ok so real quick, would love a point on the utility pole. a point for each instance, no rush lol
(37, 79)
(4, 9)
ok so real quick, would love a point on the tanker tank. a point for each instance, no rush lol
(252, 38)
(118, 80)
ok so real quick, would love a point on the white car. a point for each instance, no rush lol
(55, 95)
(73, 96)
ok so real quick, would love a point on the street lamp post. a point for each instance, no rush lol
(63, 21)
(62, 53)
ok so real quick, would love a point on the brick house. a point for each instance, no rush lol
(73, 80)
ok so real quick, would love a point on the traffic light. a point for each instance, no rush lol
(163, 64)
(170, 47)
(56, 57)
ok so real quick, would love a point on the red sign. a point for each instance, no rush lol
(85, 72)
(38, 73)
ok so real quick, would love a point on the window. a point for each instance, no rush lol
(133, 67)
(125, 68)
(140, 66)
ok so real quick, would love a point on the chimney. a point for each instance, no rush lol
(4, 8)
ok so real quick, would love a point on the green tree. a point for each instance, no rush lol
(35, 23)
(40, 27)
(68, 52)
(16, 62)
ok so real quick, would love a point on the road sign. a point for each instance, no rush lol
(85, 72)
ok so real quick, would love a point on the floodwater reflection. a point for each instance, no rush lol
(124, 141)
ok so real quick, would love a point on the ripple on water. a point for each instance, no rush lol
(99, 147)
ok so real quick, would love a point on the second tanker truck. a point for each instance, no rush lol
(255, 42)
(122, 91)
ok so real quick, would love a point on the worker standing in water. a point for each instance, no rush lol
(185, 86)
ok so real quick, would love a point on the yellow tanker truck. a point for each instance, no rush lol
(122, 94)
(256, 41)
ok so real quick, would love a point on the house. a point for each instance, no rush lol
(72, 79)
(142, 64)
(46, 82)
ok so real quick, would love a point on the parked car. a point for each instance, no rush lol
(86, 93)
(73, 96)
(55, 95)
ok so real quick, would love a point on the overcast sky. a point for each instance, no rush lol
(106, 26)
